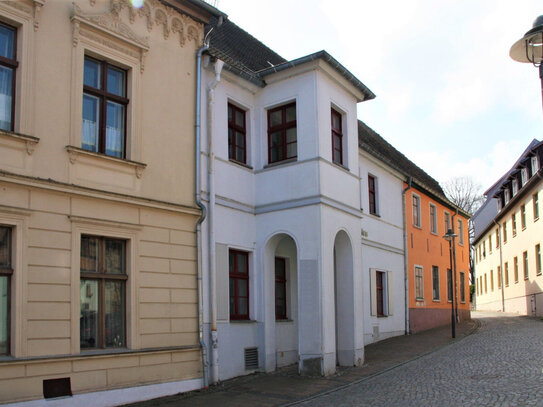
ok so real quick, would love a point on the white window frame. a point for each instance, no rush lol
(535, 164)
(507, 196)
(433, 219)
(524, 176)
(413, 197)
(388, 303)
(419, 267)
(515, 186)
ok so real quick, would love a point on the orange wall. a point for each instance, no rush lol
(428, 249)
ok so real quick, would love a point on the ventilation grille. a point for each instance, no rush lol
(251, 358)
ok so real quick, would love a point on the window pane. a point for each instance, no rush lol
(276, 139)
(88, 319)
(115, 129)
(5, 239)
(291, 113)
(242, 287)
(242, 262)
(336, 121)
(240, 155)
(6, 99)
(243, 308)
(4, 315)
(7, 42)
(114, 261)
(89, 254)
(279, 268)
(230, 113)
(292, 150)
(240, 139)
(240, 118)
(116, 81)
(276, 118)
(91, 117)
(279, 291)
(91, 73)
(114, 314)
(291, 135)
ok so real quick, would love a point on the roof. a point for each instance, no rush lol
(242, 52)
(249, 58)
(373, 143)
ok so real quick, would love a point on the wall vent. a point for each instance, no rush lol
(251, 358)
(57, 388)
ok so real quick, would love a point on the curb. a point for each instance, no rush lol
(476, 327)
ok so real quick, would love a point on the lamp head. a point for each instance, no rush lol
(530, 47)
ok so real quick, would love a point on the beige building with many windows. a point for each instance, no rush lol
(508, 239)
(98, 272)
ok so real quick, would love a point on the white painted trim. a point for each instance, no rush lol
(110, 398)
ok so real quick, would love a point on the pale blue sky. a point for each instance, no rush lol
(448, 94)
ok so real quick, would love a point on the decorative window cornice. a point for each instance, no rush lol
(31, 8)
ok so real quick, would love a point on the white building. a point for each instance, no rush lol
(293, 266)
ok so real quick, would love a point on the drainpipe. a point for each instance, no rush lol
(501, 263)
(197, 130)
(211, 226)
(405, 263)
(454, 269)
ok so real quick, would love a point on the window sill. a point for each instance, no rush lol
(417, 226)
(436, 300)
(375, 214)
(278, 163)
(419, 299)
(240, 164)
(243, 321)
(30, 141)
(76, 152)
(340, 166)
(283, 321)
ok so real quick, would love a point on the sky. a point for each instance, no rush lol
(448, 95)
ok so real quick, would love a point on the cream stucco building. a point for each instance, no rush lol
(508, 239)
(98, 271)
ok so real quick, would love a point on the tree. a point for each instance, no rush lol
(464, 193)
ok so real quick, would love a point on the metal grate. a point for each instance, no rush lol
(251, 358)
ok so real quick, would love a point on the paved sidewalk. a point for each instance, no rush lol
(285, 386)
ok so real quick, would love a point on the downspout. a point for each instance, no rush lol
(211, 226)
(197, 129)
(501, 263)
(454, 269)
(405, 262)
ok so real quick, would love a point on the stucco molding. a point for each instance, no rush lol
(31, 8)
(75, 152)
(109, 23)
(104, 223)
(160, 15)
(29, 141)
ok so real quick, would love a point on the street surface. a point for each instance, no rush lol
(500, 365)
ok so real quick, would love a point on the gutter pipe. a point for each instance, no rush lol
(197, 129)
(454, 268)
(405, 262)
(211, 226)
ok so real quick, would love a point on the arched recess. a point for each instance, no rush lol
(344, 300)
(281, 267)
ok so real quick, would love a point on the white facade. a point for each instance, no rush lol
(307, 211)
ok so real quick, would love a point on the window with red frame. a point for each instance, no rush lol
(280, 288)
(282, 136)
(337, 138)
(239, 284)
(237, 150)
(372, 193)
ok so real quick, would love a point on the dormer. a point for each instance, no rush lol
(524, 176)
(507, 196)
(534, 164)
(514, 185)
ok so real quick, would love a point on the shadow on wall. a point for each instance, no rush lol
(534, 298)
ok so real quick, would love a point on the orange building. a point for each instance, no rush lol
(431, 282)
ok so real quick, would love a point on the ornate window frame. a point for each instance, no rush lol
(106, 37)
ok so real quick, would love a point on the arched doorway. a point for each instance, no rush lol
(344, 300)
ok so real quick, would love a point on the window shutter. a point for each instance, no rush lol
(373, 293)
(390, 294)
(222, 281)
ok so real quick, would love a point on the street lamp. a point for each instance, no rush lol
(530, 48)
(450, 237)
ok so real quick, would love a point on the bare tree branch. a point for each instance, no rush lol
(464, 193)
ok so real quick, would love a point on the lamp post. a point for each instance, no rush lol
(450, 237)
(530, 48)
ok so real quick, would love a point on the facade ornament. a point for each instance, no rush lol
(193, 34)
(75, 33)
(38, 4)
(139, 171)
(145, 11)
(30, 146)
(162, 18)
(92, 2)
(177, 27)
(143, 54)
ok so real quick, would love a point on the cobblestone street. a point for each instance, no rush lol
(500, 365)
